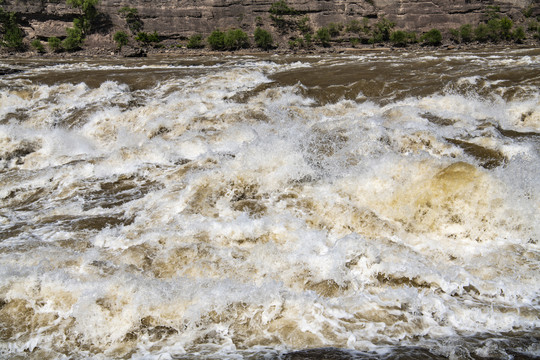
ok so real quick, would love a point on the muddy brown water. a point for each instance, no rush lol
(381, 205)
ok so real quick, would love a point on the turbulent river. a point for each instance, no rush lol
(375, 205)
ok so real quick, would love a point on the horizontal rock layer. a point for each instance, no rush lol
(182, 18)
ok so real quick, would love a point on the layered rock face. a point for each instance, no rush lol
(182, 18)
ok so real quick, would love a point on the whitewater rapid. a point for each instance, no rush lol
(230, 207)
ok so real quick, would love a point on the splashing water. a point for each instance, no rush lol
(279, 207)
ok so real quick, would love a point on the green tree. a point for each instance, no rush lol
(263, 39)
(133, 21)
(13, 35)
(121, 39)
(382, 30)
(74, 38)
(89, 10)
(506, 27)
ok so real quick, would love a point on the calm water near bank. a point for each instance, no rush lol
(377, 205)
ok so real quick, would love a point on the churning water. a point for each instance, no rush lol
(377, 205)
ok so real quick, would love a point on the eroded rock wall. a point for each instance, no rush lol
(182, 18)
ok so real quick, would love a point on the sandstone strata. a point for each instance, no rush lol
(182, 18)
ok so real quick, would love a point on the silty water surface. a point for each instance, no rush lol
(385, 204)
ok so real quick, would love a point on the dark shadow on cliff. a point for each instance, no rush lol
(103, 24)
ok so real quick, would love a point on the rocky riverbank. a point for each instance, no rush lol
(127, 52)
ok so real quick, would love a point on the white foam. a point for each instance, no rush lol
(218, 218)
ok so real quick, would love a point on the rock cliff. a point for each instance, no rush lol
(182, 18)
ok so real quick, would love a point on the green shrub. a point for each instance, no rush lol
(403, 38)
(259, 21)
(505, 25)
(121, 39)
(481, 33)
(236, 39)
(154, 37)
(195, 42)
(354, 26)
(54, 44)
(323, 36)
(277, 12)
(499, 29)
(128, 12)
(527, 12)
(334, 29)
(357, 27)
(413, 39)
(303, 25)
(293, 44)
(263, 39)
(354, 41)
(280, 22)
(304, 42)
(433, 37)
(466, 33)
(399, 38)
(492, 11)
(281, 8)
(308, 40)
(454, 35)
(519, 35)
(133, 21)
(74, 38)
(494, 30)
(147, 39)
(216, 40)
(382, 30)
(533, 25)
(36, 44)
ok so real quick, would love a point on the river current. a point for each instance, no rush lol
(374, 205)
